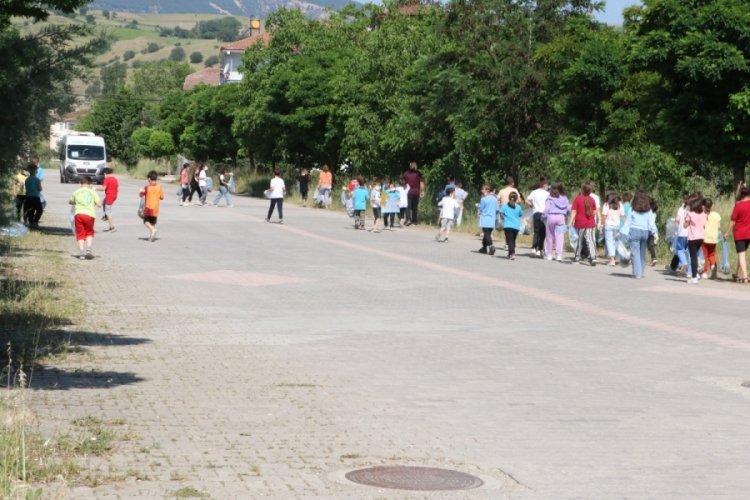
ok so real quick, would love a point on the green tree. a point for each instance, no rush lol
(153, 80)
(105, 13)
(128, 55)
(113, 77)
(208, 115)
(115, 118)
(211, 61)
(177, 54)
(700, 52)
(196, 57)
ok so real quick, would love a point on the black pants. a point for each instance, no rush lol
(276, 202)
(32, 209)
(510, 239)
(540, 231)
(651, 244)
(486, 237)
(303, 194)
(412, 209)
(693, 247)
(389, 218)
(20, 201)
(185, 193)
(195, 188)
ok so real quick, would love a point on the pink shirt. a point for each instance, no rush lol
(696, 225)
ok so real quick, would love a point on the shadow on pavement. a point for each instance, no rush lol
(57, 379)
(55, 231)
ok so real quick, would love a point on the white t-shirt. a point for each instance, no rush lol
(538, 199)
(460, 196)
(403, 200)
(277, 187)
(448, 207)
(202, 178)
(682, 231)
(375, 197)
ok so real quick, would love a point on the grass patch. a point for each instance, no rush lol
(190, 492)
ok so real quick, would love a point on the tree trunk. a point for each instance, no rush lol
(739, 170)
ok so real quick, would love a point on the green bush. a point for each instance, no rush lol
(196, 57)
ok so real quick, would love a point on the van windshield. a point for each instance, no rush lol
(85, 152)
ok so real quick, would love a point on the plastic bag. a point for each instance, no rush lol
(670, 234)
(231, 185)
(725, 268)
(573, 236)
(15, 230)
(526, 221)
(622, 250)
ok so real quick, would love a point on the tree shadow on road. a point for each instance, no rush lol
(55, 231)
(57, 379)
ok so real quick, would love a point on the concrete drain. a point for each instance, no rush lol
(400, 477)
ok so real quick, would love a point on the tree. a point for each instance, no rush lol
(224, 29)
(207, 111)
(36, 9)
(113, 77)
(699, 103)
(211, 61)
(115, 118)
(128, 55)
(196, 57)
(177, 54)
(153, 80)
(105, 14)
(91, 19)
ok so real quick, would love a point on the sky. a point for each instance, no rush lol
(612, 13)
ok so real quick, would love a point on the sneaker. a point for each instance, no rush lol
(492, 250)
(592, 262)
(692, 281)
(559, 258)
(704, 276)
(113, 230)
(82, 256)
(89, 255)
(270, 221)
(376, 230)
(713, 272)
(512, 257)
(549, 257)
(281, 221)
(653, 262)
(482, 250)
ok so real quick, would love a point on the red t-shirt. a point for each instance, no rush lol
(741, 218)
(111, 186)
(580, 208)
(414, 180)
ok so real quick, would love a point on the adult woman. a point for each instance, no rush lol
(194, 187)
(583, 215)
(325, 184)
(641, 223)
(739, 226)
(556, 208)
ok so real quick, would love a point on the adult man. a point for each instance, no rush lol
(510, 187)
(111, 187)
(537, 200)
(414, 180)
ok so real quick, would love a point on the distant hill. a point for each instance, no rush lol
(247, 8)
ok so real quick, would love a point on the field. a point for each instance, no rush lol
(134, 31)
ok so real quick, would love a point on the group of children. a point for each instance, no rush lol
(388, 201)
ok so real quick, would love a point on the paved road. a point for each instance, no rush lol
(265, 360)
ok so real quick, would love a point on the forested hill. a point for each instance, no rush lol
(250, 8)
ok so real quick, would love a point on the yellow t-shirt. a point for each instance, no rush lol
(713, 225)
(85, 201)
(19, 185)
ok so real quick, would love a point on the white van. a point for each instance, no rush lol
(82, 153)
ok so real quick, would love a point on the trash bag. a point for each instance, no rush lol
(622, 251)
(231, 185)
(725, 268)
(527, 224)
(573, 236)
(670, 233)
(15, 230)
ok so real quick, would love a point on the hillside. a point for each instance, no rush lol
(248, 8)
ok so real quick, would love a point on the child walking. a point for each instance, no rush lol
(556, 209)
(613, 214)
(448, 207)
(375, 200)
(512, 213)
(84, 201)
(487, 217)
(359, 197)
(276, 192)
(152, 195)
(392, 198)
(695, 222)
(713, 227)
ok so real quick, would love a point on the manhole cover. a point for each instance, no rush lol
(414, 478)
